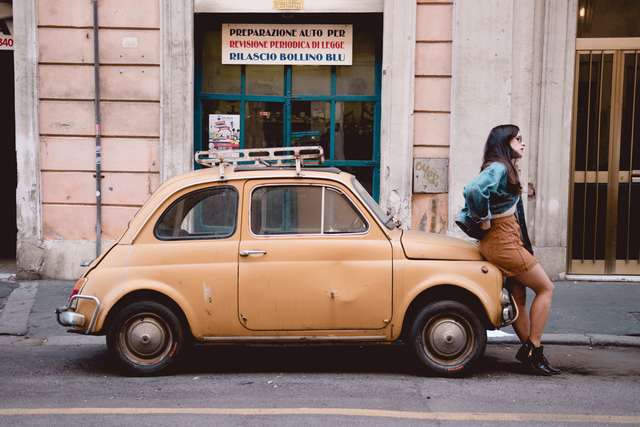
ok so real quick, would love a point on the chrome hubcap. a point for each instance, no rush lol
(448, 340)
(146, 339)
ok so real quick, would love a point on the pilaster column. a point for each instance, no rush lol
(176, 87)
(396, 139)
(554, 133)
(28, 202)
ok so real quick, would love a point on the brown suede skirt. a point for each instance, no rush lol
(502, 246)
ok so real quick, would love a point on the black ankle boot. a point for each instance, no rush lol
(523, 353)
(554, 371)
(538, 364)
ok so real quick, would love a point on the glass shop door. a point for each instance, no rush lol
(605, 179)
(605, 196)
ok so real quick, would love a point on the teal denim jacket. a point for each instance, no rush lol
(487, 195)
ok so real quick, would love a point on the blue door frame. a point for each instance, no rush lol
(287, 99)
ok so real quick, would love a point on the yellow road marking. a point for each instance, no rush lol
(348, 412)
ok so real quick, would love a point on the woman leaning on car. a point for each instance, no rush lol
(494, 214)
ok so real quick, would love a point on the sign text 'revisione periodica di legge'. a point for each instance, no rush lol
(294, 44)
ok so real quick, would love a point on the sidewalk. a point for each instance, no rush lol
(590, 313)
(583, 313)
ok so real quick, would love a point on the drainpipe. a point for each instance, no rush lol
(98, 175)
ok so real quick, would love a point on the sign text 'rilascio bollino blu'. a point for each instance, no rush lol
(294, 44)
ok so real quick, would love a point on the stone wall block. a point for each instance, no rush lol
(67, 118)
(111, 13)
(431, 129)
(131, 119)
(130, 46)
(434, 22)
(75, 46)
(118, 118)
(65, 45)
(65, 13)
(118, 154)
(135, 83)
(433, 94)
(62, 258)
(116, 82)
(65, 81)
(79, 187)
(429, 212)
(131, 14)
(57, 223)
(433, 59)
(430, 152)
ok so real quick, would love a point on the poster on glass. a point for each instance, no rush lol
(224, 131)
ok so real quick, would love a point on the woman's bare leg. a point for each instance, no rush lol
(537, 279)
(521, 325)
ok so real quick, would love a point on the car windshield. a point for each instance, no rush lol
(387, 220)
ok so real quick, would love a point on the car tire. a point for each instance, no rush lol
(448, 338)
(146, 337)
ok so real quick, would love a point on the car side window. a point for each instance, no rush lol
(297, 209)
(286, 210)
(202, 214)
(340, 216)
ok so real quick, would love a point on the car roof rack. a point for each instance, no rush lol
(265, 157)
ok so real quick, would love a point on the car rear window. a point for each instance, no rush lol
(203, 214)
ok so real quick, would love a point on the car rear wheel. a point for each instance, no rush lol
(146, 337)
(448, 338)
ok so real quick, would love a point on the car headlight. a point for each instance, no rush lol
(505, 297)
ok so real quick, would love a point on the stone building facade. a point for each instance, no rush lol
(447, 71)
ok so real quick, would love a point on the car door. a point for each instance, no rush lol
(311, 258)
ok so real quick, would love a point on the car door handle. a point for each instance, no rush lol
(250, 252)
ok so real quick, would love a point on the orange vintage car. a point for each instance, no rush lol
(259, 248)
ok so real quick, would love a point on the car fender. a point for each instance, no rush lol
(491, 304)
(116, 294)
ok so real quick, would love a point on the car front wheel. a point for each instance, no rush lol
(448, 337)
(146, 337)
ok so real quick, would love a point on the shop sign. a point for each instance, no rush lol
(6, 42)
(295, 44)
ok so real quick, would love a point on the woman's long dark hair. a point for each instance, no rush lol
(498, 149)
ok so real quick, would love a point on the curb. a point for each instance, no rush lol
(591, 340)
(14, 318)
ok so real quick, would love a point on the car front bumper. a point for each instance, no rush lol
(69, 318)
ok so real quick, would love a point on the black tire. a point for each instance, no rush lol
(448, 338)
(146, 337)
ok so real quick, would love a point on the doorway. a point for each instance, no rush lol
(605, 178)
(605, 186)
(8, 174)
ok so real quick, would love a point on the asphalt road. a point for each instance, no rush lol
(41, 384)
